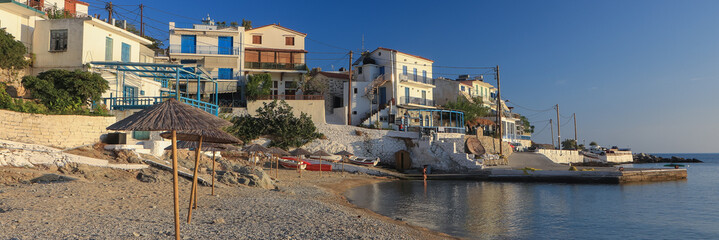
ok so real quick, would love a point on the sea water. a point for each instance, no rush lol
(686, 209)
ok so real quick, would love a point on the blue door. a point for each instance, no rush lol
(406, 95)
(224, 45)
(125, 52)
(224, 73)
(424, 97)
(129, 95)
(188, 44)
(382, 95)
(381, 70)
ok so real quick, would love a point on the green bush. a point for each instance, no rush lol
(275, 120)
(258, 85)
(65, 91)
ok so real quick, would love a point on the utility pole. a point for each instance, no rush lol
(499, 111)
(559, 138)
(349, 95)
(575, 128)
(108, 7)
(142, 23)
(551, 129)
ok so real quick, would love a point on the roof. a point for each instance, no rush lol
(277, 25)
(342, 75)
(465, 83)
(278, 50)
(392, 50)
(24, 9)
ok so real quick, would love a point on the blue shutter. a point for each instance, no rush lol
(224, 73)
(224, 45)
(188, 44)
(125, 52)
(108, 49)
(414, 72)
(404, 70)
(406, 95)
(424, 76)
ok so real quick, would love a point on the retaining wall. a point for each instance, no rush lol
(562, 156)
(63, 131)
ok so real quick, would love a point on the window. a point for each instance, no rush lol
(424, 75)
(359, 70)
(224, 45)
(414, 72)
(290, 41)
(224, 73)
(188, 44)
(274, 84)
(187, 61)
(58, 40)
(404, 70)
(354, 112)
(125, 52)
(108, 49)
(462, 87)
(256, 39)
(355, 90)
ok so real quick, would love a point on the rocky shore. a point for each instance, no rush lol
(647, 158)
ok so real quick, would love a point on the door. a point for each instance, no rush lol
(382, 95)
(402, 160)
(188, 44)
(424, 97)
(108, 49)
(381, 70)
(406, 95)
(129, 95)
(225, 45)
(125, 52)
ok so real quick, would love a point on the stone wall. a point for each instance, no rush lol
(562, 156)
(491, 146)
(63, 131)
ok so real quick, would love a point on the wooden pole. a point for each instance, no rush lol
(213, 173)
(551, 130)
(320, 167)
(176, 190)
(559, 134)
(193, 194)
(575, 129)
(277, 165)
(349, 92)
(499, 113)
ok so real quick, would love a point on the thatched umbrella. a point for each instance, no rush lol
(255, 148)
(299, 152)
(170, 115)
(277, 152)
(344, 154)
(321, 153)
(200, 136)
(214, 147)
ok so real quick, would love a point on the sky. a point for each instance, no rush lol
(638, 74)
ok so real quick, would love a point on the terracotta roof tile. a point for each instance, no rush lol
(392, 50)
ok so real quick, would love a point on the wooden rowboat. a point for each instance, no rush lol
(364, 161)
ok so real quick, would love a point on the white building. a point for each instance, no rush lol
(278, 51)
(448, 90)
(19, 20)
(72, 8)
(217, 49)
(392, 82)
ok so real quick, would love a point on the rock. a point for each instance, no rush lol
(51, 177)
(135, 234)
(218, 221)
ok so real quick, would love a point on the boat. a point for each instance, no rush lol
(674, 165)
(293, 163)
(333, 158)
(319, 167)
(364, 161)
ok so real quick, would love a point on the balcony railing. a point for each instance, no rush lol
(123, 103)
(416, 78)
(292, 97)
(278, 66)
(207, 50)
(416, 100)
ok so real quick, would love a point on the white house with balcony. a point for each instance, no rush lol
(215, 48)
(278, 51)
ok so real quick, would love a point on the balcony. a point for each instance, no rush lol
(276, 66)
(416, 101)
(412, 78)
(204, 50)
(291, 97)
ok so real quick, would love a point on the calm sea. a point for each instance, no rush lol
(496, 210)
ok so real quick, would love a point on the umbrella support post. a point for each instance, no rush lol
(193, 195)
(213, 173)
(320, 167)
(176, 190)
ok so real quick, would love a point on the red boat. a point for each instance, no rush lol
(293, 163)
(316, 167)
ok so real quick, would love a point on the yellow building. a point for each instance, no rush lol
(279, 51)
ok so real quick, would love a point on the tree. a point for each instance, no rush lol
(66, 91)
(569, 144)
(471, 110)
(276, 120)
(593, 144)
(258, 85)
(525, 123)
(314, 85)
(247, 24)
(13, 59)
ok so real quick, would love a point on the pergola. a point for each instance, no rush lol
(446, 121)
(168, 75)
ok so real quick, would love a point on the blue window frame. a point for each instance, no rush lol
(108, 49)
(462, 87)
(126, 52)
(224, 73)
(406, 95)
(424, 75)
(188, 44)
(224, 45)
(404, 70)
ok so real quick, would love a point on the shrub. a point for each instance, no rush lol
(65, 91)
(276, 120)
(258, 85)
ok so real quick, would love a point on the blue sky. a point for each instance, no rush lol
(639, 74)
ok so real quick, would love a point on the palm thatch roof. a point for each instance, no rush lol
(256, 148)
(205, 146)
(321, 153)
(278, 151)
(300, 152)
(344, 153)
(209, 135)
(169, 115)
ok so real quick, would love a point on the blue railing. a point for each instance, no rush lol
(202, 49)
(123, 103)
(205, 106)
(416, 78)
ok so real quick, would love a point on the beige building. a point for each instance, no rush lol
(19, 20)
(279, 51)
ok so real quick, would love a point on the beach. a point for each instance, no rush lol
(115, 205)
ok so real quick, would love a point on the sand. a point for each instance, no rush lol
(119, 206)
